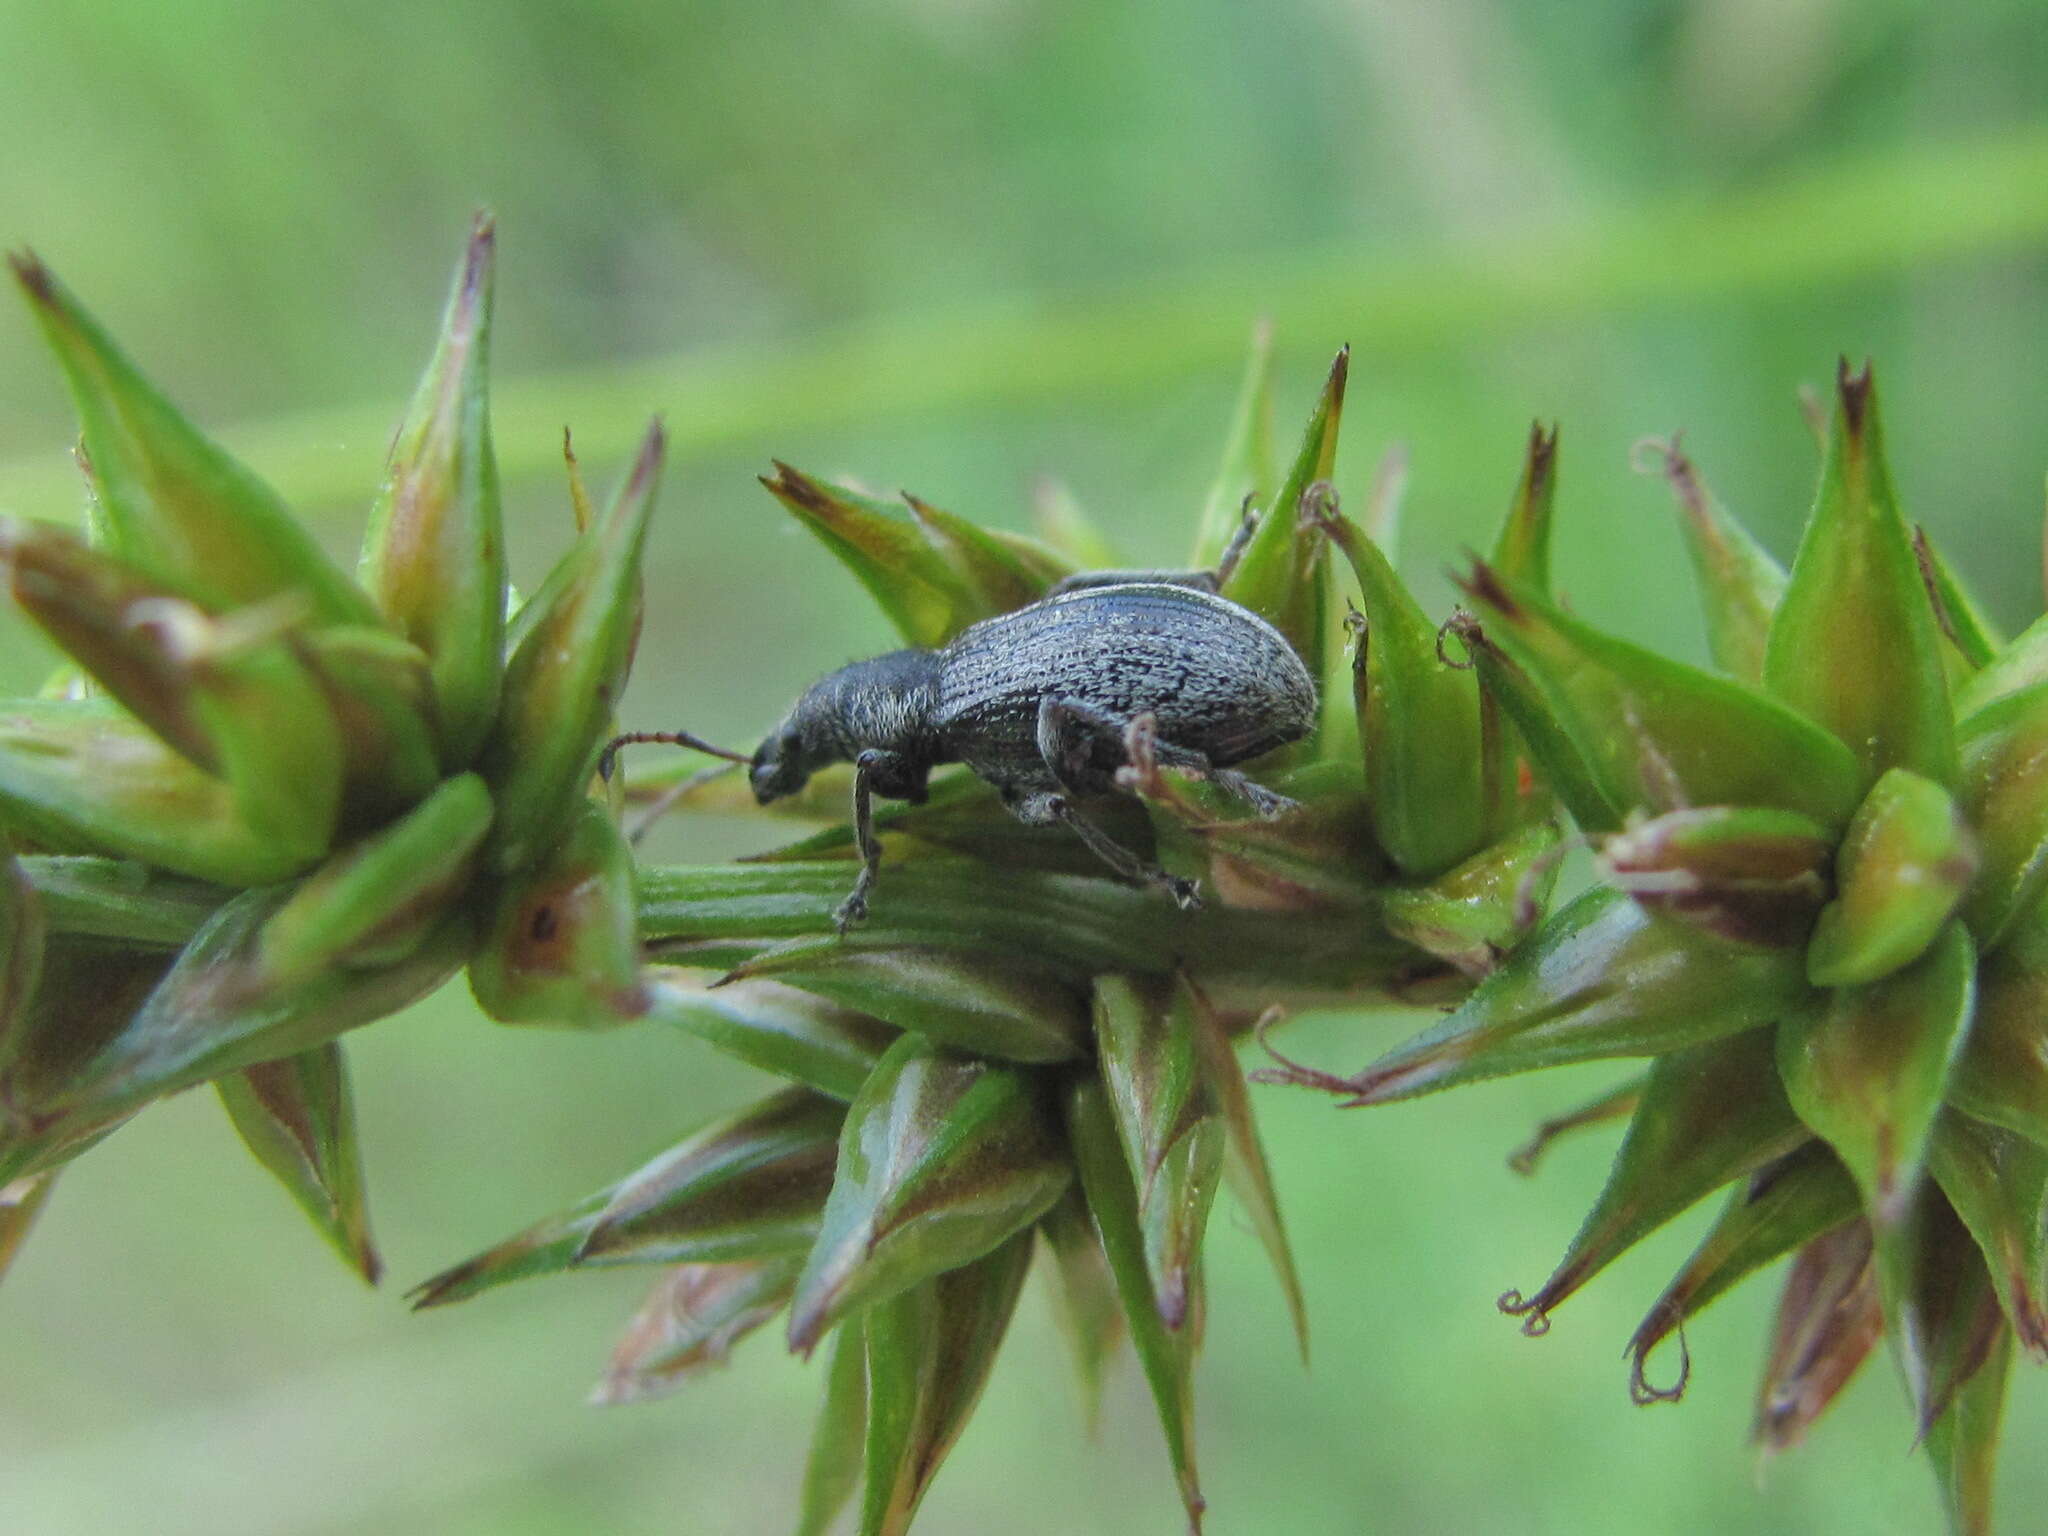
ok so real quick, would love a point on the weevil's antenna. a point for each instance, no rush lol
(609, 757)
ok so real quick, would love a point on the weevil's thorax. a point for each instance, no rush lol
(883, 704)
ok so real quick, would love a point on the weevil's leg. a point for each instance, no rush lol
(855, 908)
(1068, 728)
(1247, 525)
(1050, 809)
(1268, 803)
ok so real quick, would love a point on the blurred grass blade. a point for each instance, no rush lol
(434, 554)
(562, 945)
(297, 1115)
(1014, 1011)
(1066, 528)
(1418, 722)
(119, 899)
(1603, 978)
(690, 1322)
(746, 1187)
(1618, 1103)
(1709, 1114)
(1869, 1069)
(1655, 734)
(1282, 574)
(1963, 1442)
(1854, 645)
(1903, 867)
(2003, 751)
(930, 1350)
(374, 902)
(566, 672)
(1246, 471)
(1168, 1119)
(1166, 1355)
(1522, 552)
(832, 1471)
(941, 1160)
(1089, 1312)
(1828, 1321)
(1739, 583)
(1997, 1182)
(1781, 1207)
(170, 500)
(21, 1201)
(774, 1027)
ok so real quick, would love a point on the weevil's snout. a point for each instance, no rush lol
(778, 767)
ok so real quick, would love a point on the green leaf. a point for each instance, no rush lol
(1854, 645)
(1755, 876)
(374, 902)
(1166, 1355)
(1709, 1114)
(1015, 1011)
(1997, 1182)
(563, 942)
(1089, 1312)
(434, 554)
(1246, 470)
(747, 1187)
(1740, 584)
(1602, 978)
(690, 1322)
(1868, 1070)
(1522, 552)
(566, 672)
(1904, 865)
(1282, 574)
(1829, 1318)
(1779, 1208)
(832, 1471)
(930, 1350)
(1167, 1117)
(297, 1116)
(1647, 733)
(942, 1159)
(1418, 722)
(169, 500)
(1963, 1443)
(2003, 790)
(774, 1027)
(119, 899)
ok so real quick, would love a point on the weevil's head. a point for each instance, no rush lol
(884, 703)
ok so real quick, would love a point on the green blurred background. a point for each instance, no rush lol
(955, 245)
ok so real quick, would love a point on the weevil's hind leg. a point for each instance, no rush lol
(1268, 803)
(1247, 525)
(1069, 731)
(1045, 810)
(855, 908)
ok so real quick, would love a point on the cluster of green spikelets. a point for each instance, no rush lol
(271, 804)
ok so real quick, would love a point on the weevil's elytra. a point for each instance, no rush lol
(1039, 702)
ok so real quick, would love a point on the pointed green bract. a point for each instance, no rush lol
(565, 675)
(2002, 1074)
(1522, 552)
(1165, 1354)
(1015, 1011)
(745, 1188)
(1996, 1181)
(297, 1116)
(1780, 1208)
(169, 500)
(1961, 617)
(1942, 1313)
(1869, 1068)
(1418, 722)
(942, 1159)
(690, 1322)
(382, 694)
(2003, 790)
(1246, 471)
(1854, 645)
(1282, 574)
(1168, 1119)
(1828, 1321)
(1473, 914)
(832, 1471)
(774, 1027)
(1709, 1114)
(930, 1350)
(434, 553)
(1085, 1297)
(1751, 875)
(119, 899)
(1654, 734)
(2019, 666)
(1904, 864)
(1740, 584)
(1963, 1442)
(562, 944)
(1603, 978)
(21, 1201)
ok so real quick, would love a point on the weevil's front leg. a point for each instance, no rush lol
(855, 908)
(1044, 810)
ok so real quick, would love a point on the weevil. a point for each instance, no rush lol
(1040, 702)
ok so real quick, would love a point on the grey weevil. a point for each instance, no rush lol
(1040, 702)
